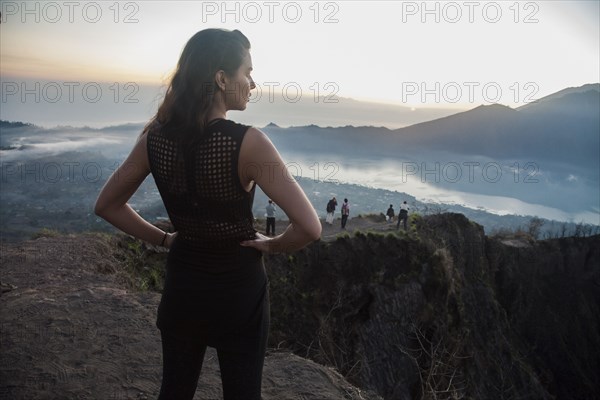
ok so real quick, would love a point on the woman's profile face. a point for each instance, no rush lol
(237, 92)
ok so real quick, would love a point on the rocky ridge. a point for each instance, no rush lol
(440, 311)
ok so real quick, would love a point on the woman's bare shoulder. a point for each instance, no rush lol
(255, 137)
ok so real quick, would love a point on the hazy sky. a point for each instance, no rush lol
(420, 54)
(461, 53)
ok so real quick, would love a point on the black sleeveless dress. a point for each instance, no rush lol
(214, 288)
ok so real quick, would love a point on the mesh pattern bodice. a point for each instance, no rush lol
(203, 196)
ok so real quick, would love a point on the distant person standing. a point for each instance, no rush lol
(390, 214)
(345, 213)
(403, 215)
(270, 218)
(331, 210)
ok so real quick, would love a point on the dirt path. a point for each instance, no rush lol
(70, 330)
(331, 232)
(372, 223)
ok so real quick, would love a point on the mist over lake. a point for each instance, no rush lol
(498, 166)
(496, 187)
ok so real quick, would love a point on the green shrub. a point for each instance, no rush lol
(45, 232)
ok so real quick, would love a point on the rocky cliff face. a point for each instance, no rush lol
(71, 328)
(445, 312)
(440, 312)
(550, 292)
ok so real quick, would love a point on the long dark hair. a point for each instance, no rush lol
(191, 91)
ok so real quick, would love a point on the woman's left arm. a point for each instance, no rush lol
(118, 189)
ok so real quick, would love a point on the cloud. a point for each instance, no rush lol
(37, 149)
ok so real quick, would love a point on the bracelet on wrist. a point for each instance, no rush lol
(163, 239)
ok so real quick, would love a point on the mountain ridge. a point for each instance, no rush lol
(570, 90)
(547, 155)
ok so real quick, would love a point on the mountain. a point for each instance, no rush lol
(590, 87)
(477, 131)
(333, 111)
(545, 156)
(560, 128)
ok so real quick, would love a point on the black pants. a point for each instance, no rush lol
(271, 225)
(241, 370)
(218, 301)
(403, 216)
(344, 220)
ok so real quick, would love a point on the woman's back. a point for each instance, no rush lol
(201, 191)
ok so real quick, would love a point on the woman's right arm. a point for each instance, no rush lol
(259, 161)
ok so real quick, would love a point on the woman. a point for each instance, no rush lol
(206, 169)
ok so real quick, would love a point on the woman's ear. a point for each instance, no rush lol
(221, 79)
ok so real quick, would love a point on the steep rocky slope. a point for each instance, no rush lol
(445, 312)
(440, 312)
(72, 329)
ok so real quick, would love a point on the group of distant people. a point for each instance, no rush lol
(402, 216)
(331, 206)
